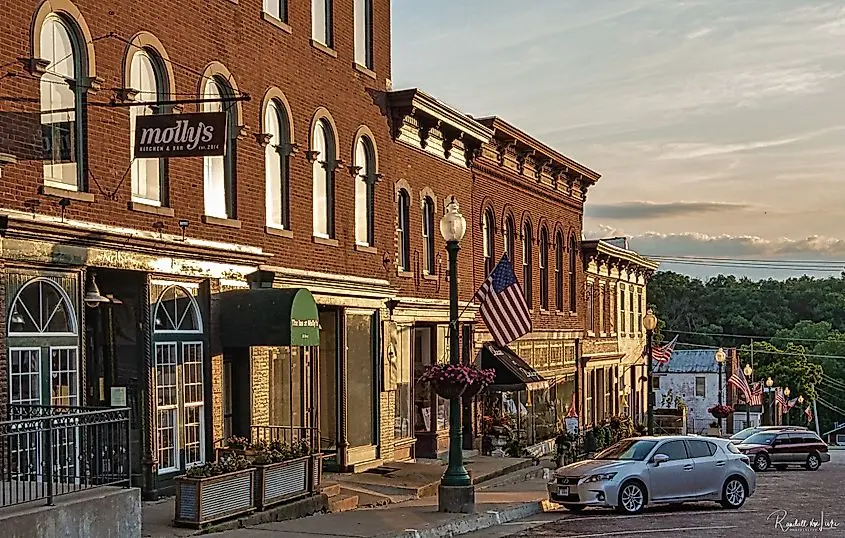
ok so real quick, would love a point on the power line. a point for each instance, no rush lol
(778, 352)
(741, 260)
(755, 337)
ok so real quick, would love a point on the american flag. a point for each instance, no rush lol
(757, 393)
(662, 354)
(503, 306)
(781, 399)
(791, 403)
(739, 381)
(809, 414)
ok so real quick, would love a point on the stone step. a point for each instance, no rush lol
(330, 489)
(344, 502)
(367, 498)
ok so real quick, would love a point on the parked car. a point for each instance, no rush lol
(742, 435)
(641, 471)
(782, 448)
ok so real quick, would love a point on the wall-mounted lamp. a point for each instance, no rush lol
(16, 320)
(93, 298)
(183, 224)
(391, 305)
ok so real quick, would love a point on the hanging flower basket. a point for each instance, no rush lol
(721, 411)
(473, 389)
(452, 380)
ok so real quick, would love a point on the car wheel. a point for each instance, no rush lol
(780, 467)
(813, 462)
(574, 507)
(761, 462)
(632, 498)
(734, 493)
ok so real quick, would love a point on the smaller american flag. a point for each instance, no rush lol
(662, 354)
(791, 403)
(757, 393)
(503, 306)
(809, 414)
(739, 381)
(781, 399)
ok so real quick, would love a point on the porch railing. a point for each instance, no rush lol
(47, 451)
(289, 435)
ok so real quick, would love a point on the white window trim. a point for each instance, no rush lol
(173, 408)
(200, 404)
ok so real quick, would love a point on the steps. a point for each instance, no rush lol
(339, 499)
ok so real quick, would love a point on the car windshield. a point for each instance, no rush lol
(762, 438)
(629, 449)
(743, 434)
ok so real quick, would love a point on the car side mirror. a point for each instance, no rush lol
(659, 458)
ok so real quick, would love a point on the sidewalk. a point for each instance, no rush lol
(513, 496)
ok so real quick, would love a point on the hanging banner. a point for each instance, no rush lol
(180, 135)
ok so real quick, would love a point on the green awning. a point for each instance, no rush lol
(269, 317)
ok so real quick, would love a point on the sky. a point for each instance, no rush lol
(718, 125)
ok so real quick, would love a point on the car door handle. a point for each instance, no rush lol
(720, 464)
(687, 467)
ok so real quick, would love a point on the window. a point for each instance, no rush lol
(573, 260)
(622, 307)
(640, 309)
(428, 235)
(700, 449)
(510, 234)
(676, 450)
(219, 170)
(276, 165)
(401, 364)
(322, 170)
(364, 33)
(147, 78)
(544, 269)
(488, 241)
(179, 373)
(278, 9)
(591, 322)
(364, 181)
(559, 272)
(62, 91)
(655, 382)
(601, 307)
(527, 284)
(403, 210)
(321, 22)
(631, 309)
(361, 377)
(701, 387)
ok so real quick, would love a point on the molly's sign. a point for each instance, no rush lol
(180, 135)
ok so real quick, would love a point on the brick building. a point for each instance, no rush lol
(297, 279)
(612, 370)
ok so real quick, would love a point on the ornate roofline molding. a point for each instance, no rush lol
(600, 248)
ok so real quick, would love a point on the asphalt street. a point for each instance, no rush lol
(793, 502)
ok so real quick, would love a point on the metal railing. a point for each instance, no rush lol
(289, 435)
(47, 451)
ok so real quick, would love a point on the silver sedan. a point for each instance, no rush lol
(639, 471)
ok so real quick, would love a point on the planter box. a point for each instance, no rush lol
(204, 500)
(282, 481)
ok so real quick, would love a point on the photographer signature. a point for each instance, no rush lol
(783, 522)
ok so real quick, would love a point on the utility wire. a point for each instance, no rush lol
(754, 336)
(742, 260)
(789, 353)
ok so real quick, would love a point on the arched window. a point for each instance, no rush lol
(527, 257)
(559, 271)
(488, 240)
(147, 78)
(276, 165)
(322, 170)
(62, 122)
(428, 234)
(364, 181)
(510, 234)
(544, 269)
(180, 396)
(219, 171)
(573, 260)
(42, 307)
(403, 209)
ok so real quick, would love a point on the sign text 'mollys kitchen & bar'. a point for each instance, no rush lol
(180, 135)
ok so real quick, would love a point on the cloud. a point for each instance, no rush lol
(697, 34)
(695, 150)
(654, 210)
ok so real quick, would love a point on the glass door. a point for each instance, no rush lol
(362, 415)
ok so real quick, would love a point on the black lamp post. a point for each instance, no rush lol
(786, 393)
(456, 492)
(720, 361)
(649, 324)
(769, 401)
(748, 371)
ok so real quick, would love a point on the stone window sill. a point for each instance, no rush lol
(404, 274)
(327, 241)
(70, 195)
(217, 221)
(325, 49)
(369, 249)
(435, 278)
(364, 70)
(141, 207)
(278, 23)
(278, 232)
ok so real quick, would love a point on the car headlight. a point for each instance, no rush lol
(601, 477)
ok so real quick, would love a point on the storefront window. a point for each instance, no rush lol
(286, 387)
(328, 379)
(401, 374)
(361, 379)
(442, 356)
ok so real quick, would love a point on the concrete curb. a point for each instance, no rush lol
(475, 522)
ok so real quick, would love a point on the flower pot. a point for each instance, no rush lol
(448, 391)
(719, 414)
(278, 482)
(471, 390)
(204, 500)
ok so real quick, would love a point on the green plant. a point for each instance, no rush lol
(226, 464)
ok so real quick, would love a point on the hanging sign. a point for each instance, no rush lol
(180, 135)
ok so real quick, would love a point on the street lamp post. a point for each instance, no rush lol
(456, 493)
(649, 324)
(786, 393)
(748, 371)
(770, 409)
(720, 360)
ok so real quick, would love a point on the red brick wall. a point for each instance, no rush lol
(548, 209)
(259, 55)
